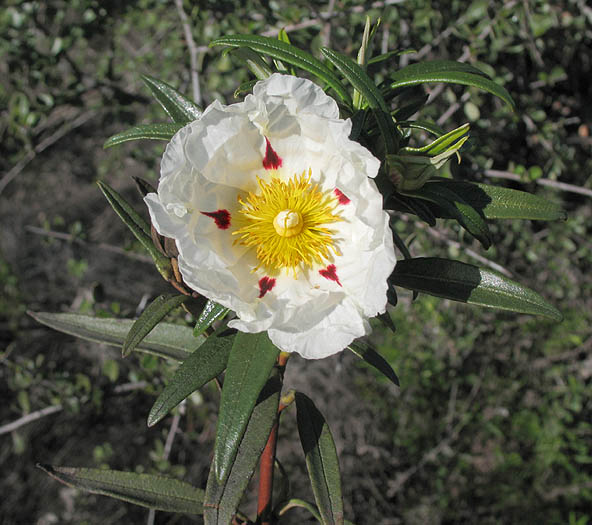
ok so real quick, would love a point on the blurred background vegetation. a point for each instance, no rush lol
(492, 423)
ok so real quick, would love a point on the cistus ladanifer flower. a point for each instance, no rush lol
(275, 215)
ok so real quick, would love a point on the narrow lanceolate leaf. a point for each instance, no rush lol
(458, 208)
(290, 55)
(211, 312)
(138, 225)
(176, 105)
(448, 72)
(147, 490)
(251, 359)
(146, 131)
(373, 358)
(368, 90)
(165, 340)
(151, 316)
(203, 365)
(496, 202)
(469, 284)
(254, 62)
(321, 460)
(223, 498)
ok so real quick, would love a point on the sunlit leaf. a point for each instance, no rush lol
(222, 498)
(469, 284)
(146, 131)
(497, 202)
(368, 90)
(251, 359)
(177, 106)
(151, 316)
(289, 54)
(211, 312)
(146, 490)
(165, 340)
(138, 225)
(203, 365)
(364, 351)
(321, 460)
(448, 72)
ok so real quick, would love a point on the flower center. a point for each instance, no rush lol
(286, 223)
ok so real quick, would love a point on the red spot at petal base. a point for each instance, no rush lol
(330, 273)
(271, 160)
(221, 218)
(265, 285)
(341, 197)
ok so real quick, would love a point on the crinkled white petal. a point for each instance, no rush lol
(216, 159)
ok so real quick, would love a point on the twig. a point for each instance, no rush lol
(101, 245)
(192, 51)
(44, 144)
(497, 174)
(171, 436)
(29, 418)
(326, 31)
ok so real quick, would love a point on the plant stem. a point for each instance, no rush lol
(264, 503)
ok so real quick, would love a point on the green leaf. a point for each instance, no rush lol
(139, 227)
(165, 340)
(254, 62)
(366, 87)
(223, 498)
(203, 365)
(146, 131)
(469, 284)
(364, 351)
(151, 316)
(458, 208)
(289, 54)
(390, 54)
(146, 490)
(448, 72)
(211, 312)
(321, 460)
(176, 105)
(497, 202)
(251, 359)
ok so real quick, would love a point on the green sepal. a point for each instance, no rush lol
(251, 359)
(203, 365)
(150, 317)
(160, 131)
(321, 460)
(223, 498)
(146, 490)
(166, 340)
(291, 55)
(212, 311)
(467, 283)
(177, 106)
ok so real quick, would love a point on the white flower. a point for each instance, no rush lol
(275, 216)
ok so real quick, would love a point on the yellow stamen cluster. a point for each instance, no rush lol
(286, 223)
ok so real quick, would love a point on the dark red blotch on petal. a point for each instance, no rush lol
(330, 273)
(271, 161)
(221, 218)
(341, 197)
(265, 285)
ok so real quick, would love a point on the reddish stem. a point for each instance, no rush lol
(264, 503)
